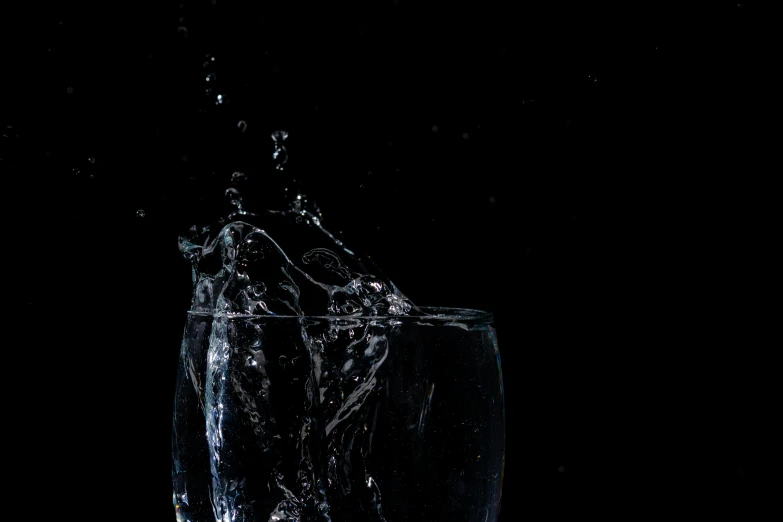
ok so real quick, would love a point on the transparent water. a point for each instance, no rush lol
(307, 383)
(349, 418)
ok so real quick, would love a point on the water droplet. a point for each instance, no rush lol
(233, 196)
(91, 159)
(140, 213)
(259, 289)
(242, 125)
(69, 90)
(238, 177)
(219, 99)
(434, 128)
(280, 154)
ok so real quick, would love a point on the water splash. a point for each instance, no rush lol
(239, 271)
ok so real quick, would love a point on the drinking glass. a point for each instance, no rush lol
(376, 418)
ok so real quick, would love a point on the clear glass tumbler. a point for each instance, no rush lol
(339, 419)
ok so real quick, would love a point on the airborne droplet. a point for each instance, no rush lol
(279, 136)
(233, 196)
(280, 154)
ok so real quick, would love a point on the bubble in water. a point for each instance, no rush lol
(91, 159)
(219, 99)
(182, 31)
(140, 213)
(209, 60)
(238, 177)
(211, 77)
(242, 125)
(466, 136)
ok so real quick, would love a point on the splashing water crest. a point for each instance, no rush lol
(240, 272)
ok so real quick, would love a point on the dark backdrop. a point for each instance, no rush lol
(595, 175)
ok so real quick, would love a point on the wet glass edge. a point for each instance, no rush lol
(433, 313)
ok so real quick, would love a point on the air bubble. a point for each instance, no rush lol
(182, 31)
(210, 77)
(140, 213)
(241, 125)
(466, 136)
(91, 159)
(238, 177)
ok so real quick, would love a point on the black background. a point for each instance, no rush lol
(600, 179)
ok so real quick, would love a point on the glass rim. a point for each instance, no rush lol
(440, 313)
